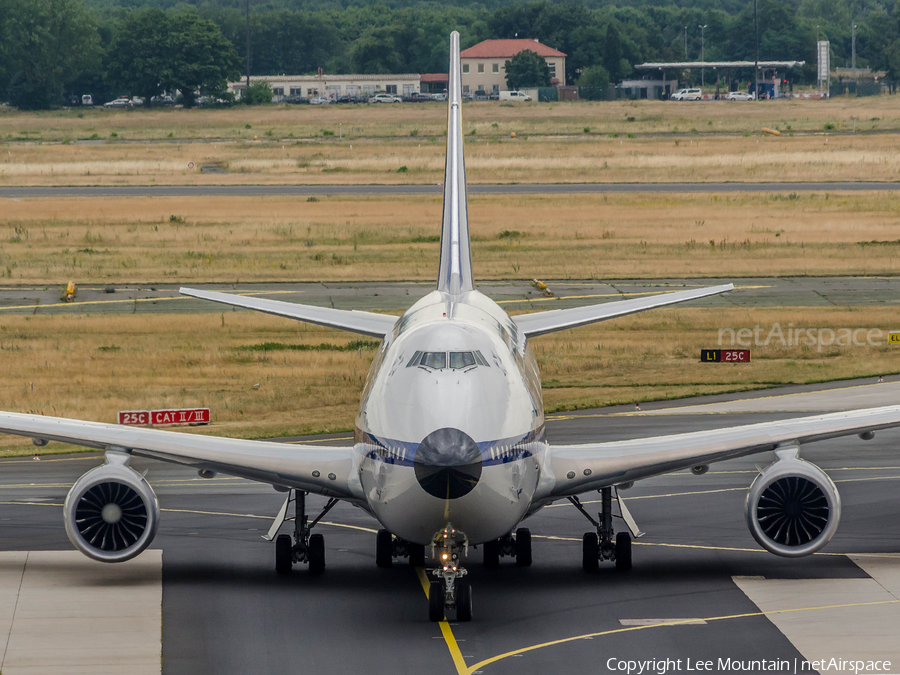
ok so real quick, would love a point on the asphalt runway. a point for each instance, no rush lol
(399, 296)
(473, 189)
(225, 610)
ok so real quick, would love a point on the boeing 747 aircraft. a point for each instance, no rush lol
(449, 447)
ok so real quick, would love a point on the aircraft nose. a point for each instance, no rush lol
(448, 464)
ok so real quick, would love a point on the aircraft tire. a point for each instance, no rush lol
(590, 552)
(491, 553)
(316, 553)
(283, 554)
(523, 547)
(416, 555)
(436, 601)
(623, 551)
(463, 600)
(384, 548)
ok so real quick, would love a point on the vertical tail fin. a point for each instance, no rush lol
(455, 275)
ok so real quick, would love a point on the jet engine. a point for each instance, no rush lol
(111, 512)
(793, 507)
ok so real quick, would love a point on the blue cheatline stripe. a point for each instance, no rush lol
(495, 452)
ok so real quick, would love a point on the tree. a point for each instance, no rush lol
(527, 69)
(140, 58)
(258, 93)
(594, 76)
(202, 59)
(612, 53)
(46, 45)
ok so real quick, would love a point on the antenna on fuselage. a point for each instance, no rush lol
(455, 274)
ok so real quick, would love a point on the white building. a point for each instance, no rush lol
(483, 66)
(333, 86)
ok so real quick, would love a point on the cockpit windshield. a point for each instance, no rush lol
(439, 360)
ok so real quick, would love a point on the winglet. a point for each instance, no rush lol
(455, 275)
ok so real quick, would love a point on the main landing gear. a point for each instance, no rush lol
(303, 546)
(600, 545)
(450, 589)
(388, 547)
(518, 545)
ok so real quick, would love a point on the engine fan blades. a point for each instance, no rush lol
(111, 516)
(793, 511)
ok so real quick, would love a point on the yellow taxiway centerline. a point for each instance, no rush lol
(446, 631)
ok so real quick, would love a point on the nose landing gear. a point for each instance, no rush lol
(449, 589)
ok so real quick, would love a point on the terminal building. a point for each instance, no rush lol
(333, 86)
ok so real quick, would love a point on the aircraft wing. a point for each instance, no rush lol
(367, 323)
(540, 323)
(324, 470)
(581, 468)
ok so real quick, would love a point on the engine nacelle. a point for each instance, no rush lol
(111, 513)
(793, 507)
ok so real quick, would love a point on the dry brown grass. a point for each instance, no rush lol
(90, 367)
(291, 122)
(491, 159)
(49, 241)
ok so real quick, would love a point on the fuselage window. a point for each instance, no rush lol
(480, 359)
(414, 361)
(462, 359)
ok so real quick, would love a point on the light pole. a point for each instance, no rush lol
(756, 31)
(685, 43)
(702, 56)
(853, 57)
(818, 56)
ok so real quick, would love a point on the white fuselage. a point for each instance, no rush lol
(493, 404)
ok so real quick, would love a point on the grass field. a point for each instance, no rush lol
(497, 159)
(242, 239)
(90, 367)
(843, 114)
(838, 139)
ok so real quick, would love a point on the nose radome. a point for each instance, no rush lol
(448, 464)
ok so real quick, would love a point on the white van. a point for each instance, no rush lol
(87, 99)
(688, 95)
(514, 96)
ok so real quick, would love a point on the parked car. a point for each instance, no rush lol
(480, 95)
(443, 97)
(87, 99)
(738, 96)
(319, 100)
(417, 97)
(514, 96)
(688, 95)
(385, 98)
(121, 102)
(295, 99)
(137, 100)
(162, 100)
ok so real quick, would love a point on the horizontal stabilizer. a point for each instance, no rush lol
(366, 323)
(561, 319)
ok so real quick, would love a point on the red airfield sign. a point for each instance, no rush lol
(158, 418)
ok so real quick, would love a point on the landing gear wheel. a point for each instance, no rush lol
(463, 600)
(436, 601)
(416, 555)
(623, 551)
(284, 556)
(384, 548)
(590, 552)
(491, 553)
(523, 547)
(316, 554)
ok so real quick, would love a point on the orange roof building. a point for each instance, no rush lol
(483, 64)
